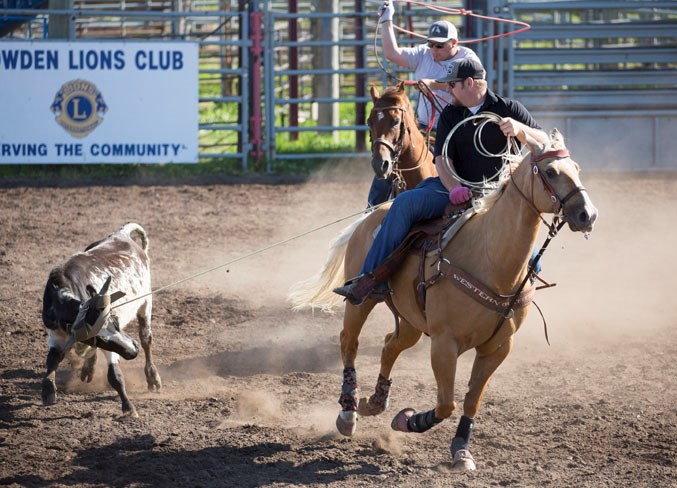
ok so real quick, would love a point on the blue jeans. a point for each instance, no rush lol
(379, 191)
(427, 201)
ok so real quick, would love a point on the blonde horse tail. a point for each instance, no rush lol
(318, 290)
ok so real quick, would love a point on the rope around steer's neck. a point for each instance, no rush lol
(510, 148)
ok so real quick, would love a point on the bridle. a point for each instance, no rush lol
(398, 146)
(557, 154)
(560, 202)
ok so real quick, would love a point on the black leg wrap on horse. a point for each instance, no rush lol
(348, 398)
(463, 434)
(423, 421)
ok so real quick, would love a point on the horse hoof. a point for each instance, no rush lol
(48, 393)
(346, 422)
(400, 420)
(48, 399)
(366, 409)
(463, 461)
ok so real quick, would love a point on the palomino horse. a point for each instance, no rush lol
(494, 247)
(397, 146)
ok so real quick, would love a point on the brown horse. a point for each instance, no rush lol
(494, 247)
(397, 146)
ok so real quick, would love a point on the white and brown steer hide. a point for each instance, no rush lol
(71, 290)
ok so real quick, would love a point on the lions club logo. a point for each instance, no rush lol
(78, 106)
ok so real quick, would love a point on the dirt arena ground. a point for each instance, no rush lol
(250, 388)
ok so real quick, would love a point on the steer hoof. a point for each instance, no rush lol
(400, 420)
(346, 422)
(153, 379)
(463, 461)
(129, 411)
(48, 393)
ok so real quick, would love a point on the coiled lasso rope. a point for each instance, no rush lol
(509, 149)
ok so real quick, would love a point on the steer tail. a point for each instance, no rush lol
(130, 228)
(317, 291)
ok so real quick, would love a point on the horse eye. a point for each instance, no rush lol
(550, 173)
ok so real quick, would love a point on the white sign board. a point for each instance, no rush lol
(98, 102)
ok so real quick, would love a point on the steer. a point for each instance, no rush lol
(75, 314)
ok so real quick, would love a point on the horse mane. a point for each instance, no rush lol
(510, 163)
(494, 189)
(394, 93)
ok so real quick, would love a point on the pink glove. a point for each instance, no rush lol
(460, 195)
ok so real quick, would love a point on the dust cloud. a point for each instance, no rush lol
(618, 283)
(296, 247)
(615, 285)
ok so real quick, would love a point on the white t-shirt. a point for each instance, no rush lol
(421, 60)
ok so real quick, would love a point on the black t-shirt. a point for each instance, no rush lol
(469, 164)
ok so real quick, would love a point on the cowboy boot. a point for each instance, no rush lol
(363, 287)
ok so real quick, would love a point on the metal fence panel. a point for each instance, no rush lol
(583, 65)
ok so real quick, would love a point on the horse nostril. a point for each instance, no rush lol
(384, 168)
(584, 218)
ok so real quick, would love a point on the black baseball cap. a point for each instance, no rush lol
(461, 69)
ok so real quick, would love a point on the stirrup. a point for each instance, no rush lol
(357, 290)
(347, 290)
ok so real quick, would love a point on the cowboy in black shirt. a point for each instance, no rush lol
(468, 162)
(467, 84)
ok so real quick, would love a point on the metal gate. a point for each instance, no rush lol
(273, 72)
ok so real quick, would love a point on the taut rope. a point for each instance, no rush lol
(244, 256)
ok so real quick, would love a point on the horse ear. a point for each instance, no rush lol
(375, 95)
(556, 139)
(400, 86)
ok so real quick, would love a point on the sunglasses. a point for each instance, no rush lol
(437, 45)
(452, 84)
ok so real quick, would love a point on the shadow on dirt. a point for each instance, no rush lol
(142, 462)
(259, 360)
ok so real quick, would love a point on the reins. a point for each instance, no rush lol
(553, 228)
(509, 310)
